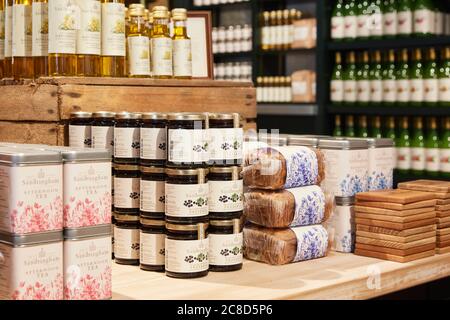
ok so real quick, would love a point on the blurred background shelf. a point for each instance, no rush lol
(388, 111)
(287, 109)
(408, 42)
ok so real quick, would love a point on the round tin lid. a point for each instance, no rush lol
(19, 156)
(185, 116)
(343, 143)
(128, 115)
(103, 114)
(80, 115)
(154, 116)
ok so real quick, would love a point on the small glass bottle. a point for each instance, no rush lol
(153, 144)
(127, 137)
(22, 40)
(102, 130)
(138, 45)
(226, 139)
(80, 129)
(152, 188)
(7, 62)
(152, 244)
(40, 37)
(126, 239)
(161, 44)
(126, 189)
(182, 56)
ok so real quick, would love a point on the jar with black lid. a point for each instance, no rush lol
(187, 136)
(126, 239)
(102, 131)
(127, 137)
(126, 189)
(226, 139)
(225, 245)
(187, 195)
(226, 192)
(153, 139)
(152, 248)
(80, 129)
(186, 250)
(152, 199)
(113, 222)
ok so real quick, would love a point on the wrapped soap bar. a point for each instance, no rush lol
(282, 246)
(284, 167)
(294, 207)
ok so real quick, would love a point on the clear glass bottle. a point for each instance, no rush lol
(89, 38)
(182, 55)
(337, 132)
(40, 37)
(7, 63)
(138, 45)
(22, 40)
(161, 44)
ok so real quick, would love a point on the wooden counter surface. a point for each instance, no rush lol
(337, 276)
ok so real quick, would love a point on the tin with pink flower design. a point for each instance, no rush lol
(31, 266)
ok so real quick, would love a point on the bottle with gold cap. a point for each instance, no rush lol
(363, 82)
(7, 63)
(349, 78)
(444, 149)
(362, 127)
(161, 44)
(444, 79)
(402, 79)
(376, 79)
(376, 127)
(258, 89)
(40, 37)
(273, 30)
(432, 148)
(286, 43)
(389, 80)
(265, 30)
(337, 132)
(138, 47)
(113, 38)
(390, 129)
(402, 146)
(349, 127)
(279, 30)
(182, 55)
(337, 82)
(22, 40)
(418, 147)
(416, 79)
(431, 82)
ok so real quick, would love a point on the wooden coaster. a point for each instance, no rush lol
(442, 201)
(444, 207)
(443, 238)
(426, 185)
(440, 195)
(395, 225)
(397, 206)
(395, 245)
(442, 214)
(396, 233)
(443, 225)
(397, 252)
(442, 220)
(442, 250)
(442, 232)
(416, 217)
(443, 244)
(388, 212)
(395, 196)
(388, 237)
(395, 258)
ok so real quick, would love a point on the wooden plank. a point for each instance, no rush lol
(29, 132)
(397, 233)
(62, 135)
(397, 206)
(390, 213)
(395, 244)
(392, 257)
(396, 225)
(383, 217)
(397, 252)
(408, 239)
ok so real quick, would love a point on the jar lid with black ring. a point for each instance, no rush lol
(187, 193)
(152, 248)
(226, 192)
(152, 197)
(188, 140)
(226, 139)
(225, 245)
(186, 249)
(126, 239)
(127, 137)
(80, 129)
(127, 189)
(153, 139)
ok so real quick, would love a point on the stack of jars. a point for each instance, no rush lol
(232, 39)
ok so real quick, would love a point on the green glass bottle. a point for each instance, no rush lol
(402, 79)
(423, 15)
(363, 132)
(337, 21)
(376, 79)
(349, 77)
(431, 81)
(390, 129)
(432, 149)
(337, 132)
(444, 79)
(416, 79)
(404, 17)
(349, 127)
(350, 20)
(337, 81)
(363, 31)
(389, 18)
(402, 145)
(444, 152)
(417, 148)
(389, 80)
(376, 127)
(362, 80)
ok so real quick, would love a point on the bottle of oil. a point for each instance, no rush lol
(161, 44)
(285, 26)
(265, 30)
(89, 38)
(138, 44)
(7, 64)
(113, 38)
(40, 37)
(22, 39)
(182, 55)
(279, 30)
(150, 35)
(2, 37)
(62, 37)
(273, 30)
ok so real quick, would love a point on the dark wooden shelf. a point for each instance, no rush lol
(240, 54)
(389, 111)
(406, 42)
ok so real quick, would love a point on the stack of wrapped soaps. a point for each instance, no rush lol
(284, 206)
(441, 192)
(397, 225)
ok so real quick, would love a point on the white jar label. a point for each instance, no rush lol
(152, 196)
(273, 36)
(182, 58)
(404, 22)
(138, 55)
(390, 23)
(102, 137)
(350, 91)
(376, 90)
(40, 29)
(89, 34)
(187, 200)
(225, 249)
(226, 143)
(350, 30)
(153, 143)
(444, 90)
(403, 90)
(337, 90)
(161, 56)
(403, 158)
(2, 35)
(265, 36)
(152, 248)
(79, 136)
(432, 159)
(62, 33)
(187, 256)
(279, 35)
(431, 90)
(418, 158)
(126, 142)
(286, 38)
(22, 30)
(226, 196)
(389, 90)
(126, 243)
(126, 193)
(188, 145)
(423, 21)
(363, 91)
(363, 28)
(444, 160)
(113, 29)
(417, 90)
(8, 31)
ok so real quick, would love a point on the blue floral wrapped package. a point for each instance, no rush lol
(287, 208)
(282, 246)
(276, 168)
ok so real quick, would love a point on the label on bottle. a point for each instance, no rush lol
(418, 158)
(40, 29)
(225, 249)
(389, 90)
(444, 90)
(363, 28)
(351, 27)
(113, 29)
(152, 196)
(182, 58)
(8, 31)
(187, 256)
(403, 90)
(126, 243)
(126, 142)
(279, 35)
(62, 33)
(286, 36)
(376, 90)
(404, 22)
(187, 200)
(431, 93)
(161, 56)
(79, 136)
(22, 31)
(265, 36)
(138, 55)
(272, 35)
(390, 23)
(376, 24)
(89, 34)
(337, 27)
(153, 143)
(432, 159)
(423, 21)
(363, 88)
(2, 35)
(337, 90)
(102, 137)
(226, 196)
(417, 90)
(350, 90)
(152, 249)
(403, 158)
(291, 33)
(226, 143)
(126, 193)
(188, 145)
(444, 160)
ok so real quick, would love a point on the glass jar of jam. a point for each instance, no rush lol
(226, 139)
(153, 139)
(126, 239)
(152, 199)
(113, 174)
(152, 248)
(102, 131)
(187, 195)
(80, 129)
(225, 245)
(186, 250)
(127, 137)
(187, 137)
(126, 189)
(226, 192)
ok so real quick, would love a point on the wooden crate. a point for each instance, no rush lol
(38, 111)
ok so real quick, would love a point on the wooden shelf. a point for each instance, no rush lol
(287, 109)
(406, 42)
(337, 276)
(389, 111)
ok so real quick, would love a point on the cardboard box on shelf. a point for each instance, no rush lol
(303, 82)
(305, 33)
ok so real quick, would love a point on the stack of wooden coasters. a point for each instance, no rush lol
(441, 192)
(396, 225)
